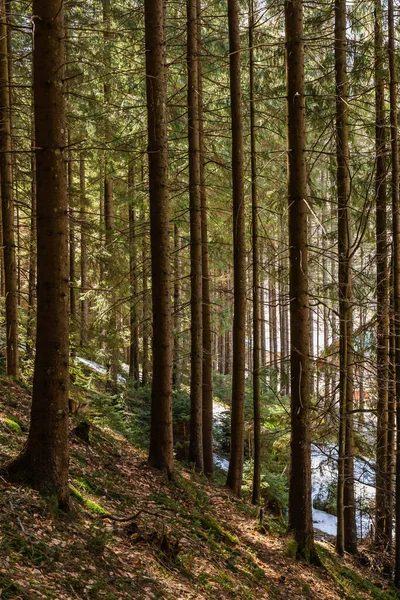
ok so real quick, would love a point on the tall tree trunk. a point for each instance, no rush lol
(235, 472)
(196, 284)
(300, 512)
(161, 440)
(394, 140)
(206, 308)
(382, 339)
(346, 539)
(256, 275)
(84, 258)
(7, 204)
(44, 460)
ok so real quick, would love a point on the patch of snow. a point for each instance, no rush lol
(98, 368)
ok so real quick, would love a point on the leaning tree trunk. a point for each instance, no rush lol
(44, 460)
(235, 472)
(196, 284)
(7, 204)
(346, 524)
(382, 332)
(256, 276)
(394, 132)
(300, 512)
(161, 440)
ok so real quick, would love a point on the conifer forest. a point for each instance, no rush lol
(199, 299)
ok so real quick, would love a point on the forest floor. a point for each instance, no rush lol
(186, 538)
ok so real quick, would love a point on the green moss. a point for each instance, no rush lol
(13, 424)
(90, 505)
(215, 529)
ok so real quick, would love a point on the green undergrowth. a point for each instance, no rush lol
(192, 538)
(353, 584)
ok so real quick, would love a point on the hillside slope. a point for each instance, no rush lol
(179, 540)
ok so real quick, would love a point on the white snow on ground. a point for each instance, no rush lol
(324, 473)
(96, 367)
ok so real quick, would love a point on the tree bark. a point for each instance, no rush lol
(382, 330)
(84, 278)
(235, 472)
(7, 203)
(196, 284)
(44, 460)
(396, 263)
(134, 328)
(300, 512)
(206, 308)
(346, 539)
(161, 440)
(256, 495)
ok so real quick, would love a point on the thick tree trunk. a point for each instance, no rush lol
(161, 440)
(346, 539)
(196, 283)
(7, 204)
(300, 512)
(44, 461)
(235, 472)
(382, 332)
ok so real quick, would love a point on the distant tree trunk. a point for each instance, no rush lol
(72, 253)
(235, 472)
(83, 232)
(263, 323)
(111, 341)
(206, 309)
(346, 539)
(300, 511)
(145, 314)
(391, 464)
(112, 323)
(7, 203)
(382, 332)
(32, 254)
(256, 275)
(134, 328)
(196, 283)
(394, 139)
(176, 370)
(44, 460)
(161, 440)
